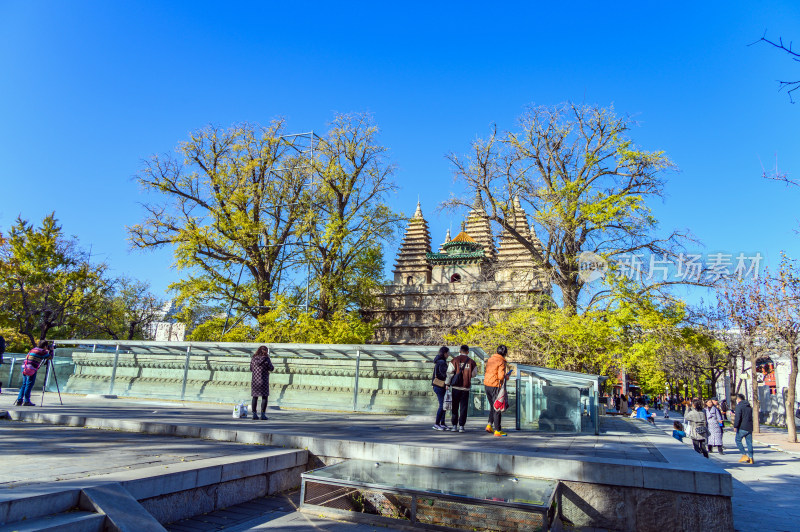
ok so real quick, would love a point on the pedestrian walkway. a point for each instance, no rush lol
(46, 453)
(777, 438)
(766, 494)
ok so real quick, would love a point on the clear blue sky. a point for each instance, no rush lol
(89, 89)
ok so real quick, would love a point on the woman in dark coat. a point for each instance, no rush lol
(439, 387)
(260, 366)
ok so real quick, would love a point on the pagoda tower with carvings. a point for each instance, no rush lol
(514, 261)
(468, 280)
(411, 266)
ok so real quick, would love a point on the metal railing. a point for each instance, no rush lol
(189, 351)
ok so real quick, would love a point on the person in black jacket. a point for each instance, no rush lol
(743, 425)
(2, 350)
(439, 386)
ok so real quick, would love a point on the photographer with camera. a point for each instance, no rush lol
(30, 367)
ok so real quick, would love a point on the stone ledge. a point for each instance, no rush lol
(694, 475)
(123, 512)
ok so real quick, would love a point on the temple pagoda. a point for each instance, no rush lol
(412, 266)
(466, 281)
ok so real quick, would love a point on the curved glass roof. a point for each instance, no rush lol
(333, 351)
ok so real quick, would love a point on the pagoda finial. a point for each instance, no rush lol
(477, 205)
(418, 212)
(447, 237)
(517, 204)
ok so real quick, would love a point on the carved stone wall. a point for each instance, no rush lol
(421, 314)
(384, 386)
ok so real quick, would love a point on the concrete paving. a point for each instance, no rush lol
(766, 494)
(46, 453)
(627, 453)
(616, 442)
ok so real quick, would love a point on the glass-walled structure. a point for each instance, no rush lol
(361, 378)
(551, 400)
(364, 378)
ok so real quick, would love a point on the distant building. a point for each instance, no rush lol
(166, 328)
(466, 281)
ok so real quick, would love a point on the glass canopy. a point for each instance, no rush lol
(393, 379)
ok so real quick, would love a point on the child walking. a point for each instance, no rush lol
(677, 431)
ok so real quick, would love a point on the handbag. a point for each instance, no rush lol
(501, 403)
(436, 380)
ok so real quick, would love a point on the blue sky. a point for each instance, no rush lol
(89, 89)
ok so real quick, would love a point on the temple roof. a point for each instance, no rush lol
(463, 237)
(461, 249)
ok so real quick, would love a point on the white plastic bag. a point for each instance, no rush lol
(448, 400)
(240, 410)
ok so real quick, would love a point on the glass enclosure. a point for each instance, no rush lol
(552, 400)
(364, 378)
(360, 378)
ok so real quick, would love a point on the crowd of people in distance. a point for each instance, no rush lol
(703, 422)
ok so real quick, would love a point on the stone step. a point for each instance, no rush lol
(167, 493)
(72, 521)
(24, 505)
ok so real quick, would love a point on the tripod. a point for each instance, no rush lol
(47, 373)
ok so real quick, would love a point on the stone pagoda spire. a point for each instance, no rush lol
(479, 228)
(446, 240)
(411, 266)
(514, 261)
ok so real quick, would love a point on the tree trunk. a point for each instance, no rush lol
(790, 395)
(569, 296)
(754, 388)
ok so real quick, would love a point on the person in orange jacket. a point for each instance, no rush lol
(495, 374)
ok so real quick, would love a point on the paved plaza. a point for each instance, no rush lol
(765, 495)
(46, 453)
(617, 440)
